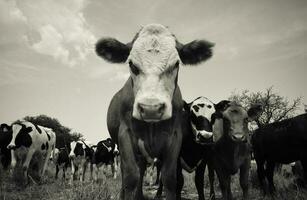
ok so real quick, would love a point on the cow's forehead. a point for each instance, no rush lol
(235, 110)
(154, 46)
(202, 100)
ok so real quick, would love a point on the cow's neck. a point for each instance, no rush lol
(230, 153)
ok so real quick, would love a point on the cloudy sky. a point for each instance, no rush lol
(48, 64)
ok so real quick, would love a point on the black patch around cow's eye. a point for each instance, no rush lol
(201, 105)
(195, 107)
(43, 146)
(133, 68)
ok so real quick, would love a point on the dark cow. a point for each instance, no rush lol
(232, 148)
(196, 151)
(280, 142)
(5, 138)
(29, 139)
(61, 159)
(80, 156)
(104, 154)
(144, 117)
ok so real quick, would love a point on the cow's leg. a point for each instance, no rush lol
(151, 171)
(224, 180)
(84, 167)
(261, 175)
(269, 174)
(64, 172)
(72, 172)
(160, 189)
(56, 171)
(180, 181)
(244, 174)
(45, 163)
(129, 167)
(211, 180)
(13, 162)
(113, 170)
(26, 164)
(158, 166)
(142, 166)
(95, 171)
(169, 168)
(91, 171)
(199, 180)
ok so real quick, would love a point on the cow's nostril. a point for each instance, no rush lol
(161, 108)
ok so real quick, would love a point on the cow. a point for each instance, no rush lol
(279, 142)
(5, 153)
(60, 159)
(29, 139)
(104, 154)
(196, 150)
(80, 156)
(144, 116)
(231, 144)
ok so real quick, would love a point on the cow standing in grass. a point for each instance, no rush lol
(232, 148)
(279, 142)
(104, 154)
(29, 139)
(80, 156)
(197, 146)
(144, 117)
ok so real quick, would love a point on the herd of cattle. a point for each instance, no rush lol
(22, 141)
(150, 123)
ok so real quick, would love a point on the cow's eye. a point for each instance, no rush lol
(133, 68)
(209, 106)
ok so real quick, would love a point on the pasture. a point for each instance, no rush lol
(107, 188)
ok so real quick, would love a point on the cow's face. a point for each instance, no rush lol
(20, 136)
(76, 149)
(201, 110)
(234, 120)
(154, 57)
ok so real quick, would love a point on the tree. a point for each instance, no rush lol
(63, 133)
(275, 107)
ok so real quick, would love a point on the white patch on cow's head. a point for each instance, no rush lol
(201, 110)
(154, 64)
(16, 129)
(72, 148)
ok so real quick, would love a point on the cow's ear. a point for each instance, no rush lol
(254, 112)
(217, 129)
(5, 128)
(112, 50)
(194, 52)
(186, 106)
(222, 105)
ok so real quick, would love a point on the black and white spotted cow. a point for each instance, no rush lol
(196, 150)
(29, 139)
(105, 153)
(61, 160)
(80, 156)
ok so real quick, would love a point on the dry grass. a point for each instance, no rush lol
(51, 189)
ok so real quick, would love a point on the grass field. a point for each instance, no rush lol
(107, 188)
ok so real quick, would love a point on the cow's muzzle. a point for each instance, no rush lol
(11, 147)
(151, 112)
(239, 137)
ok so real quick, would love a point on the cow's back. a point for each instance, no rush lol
(284, 141)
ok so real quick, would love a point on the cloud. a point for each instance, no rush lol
(56, 28)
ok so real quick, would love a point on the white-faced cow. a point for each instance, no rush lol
(280, 142)
(80, 156)
(232, 149)
(29, 139)
(196, 150)
(104, 154)
(144, 117)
